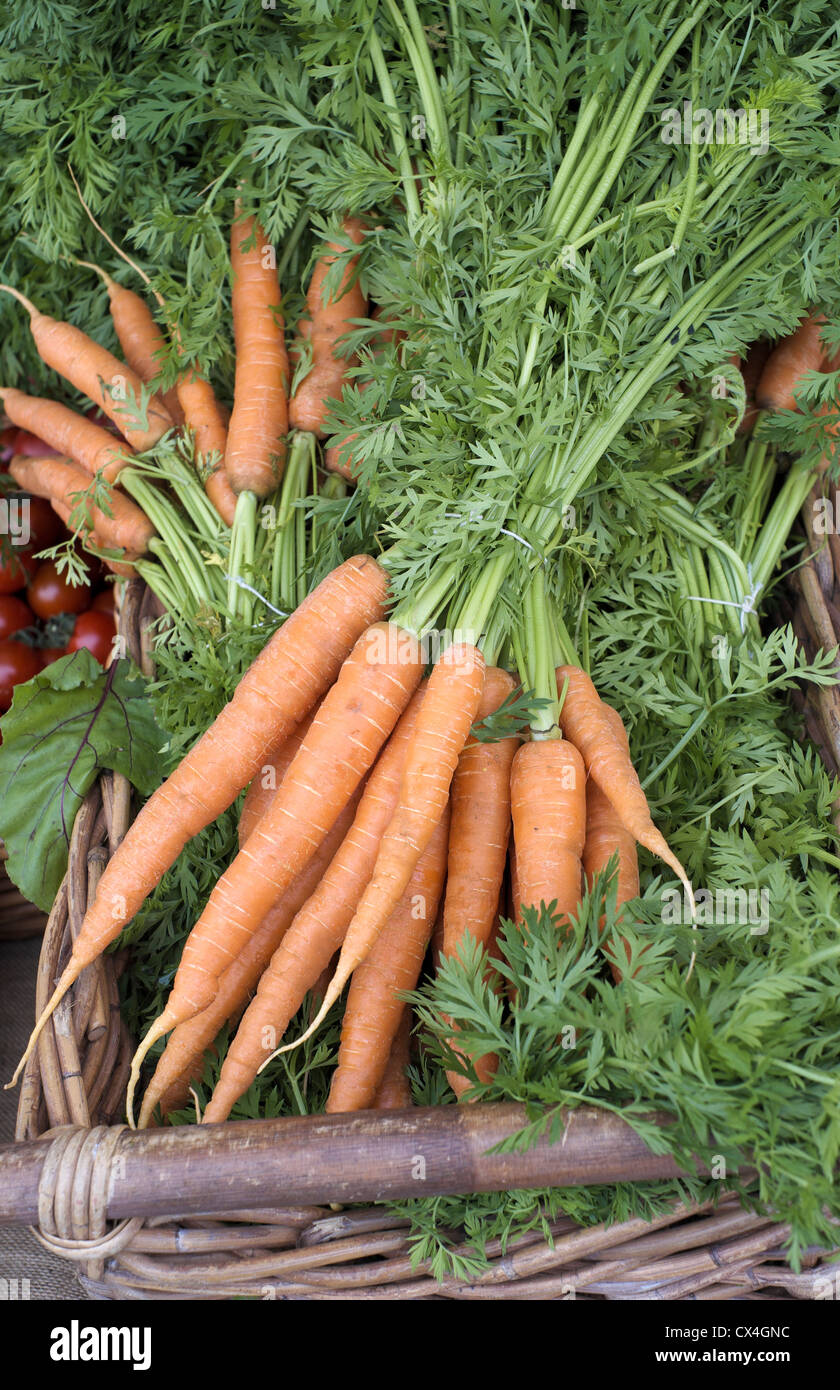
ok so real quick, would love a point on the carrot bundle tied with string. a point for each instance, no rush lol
(319, 928)
(449, 708)
(330, 318)
(256, 446)
(373, 687)
(292, 671)
(608, 763)
(62, 482)
(374, 1009)
(112, 385)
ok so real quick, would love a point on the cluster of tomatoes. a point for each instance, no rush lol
(42, 615)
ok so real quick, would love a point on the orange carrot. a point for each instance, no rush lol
(443, 724)
(183, 1057)
(751, 370)
(57, 479)
(608, 764)
(373, 687)
(374, 1010)
(478, 838)
(295, 667)
(329, 320)
(264, 787)
(607, 836)
(66, 432)
(142, 342)
(319, 928)
(337, 459)
(394, 1091)
(802, 352)
(548, 805)
(256, 444)
(204, 418)
(109, 383)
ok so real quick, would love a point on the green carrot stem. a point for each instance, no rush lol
(412, 200)
(538, 673)
(776, 528)
(241, 556)
(417, 613)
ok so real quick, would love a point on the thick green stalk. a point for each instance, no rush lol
(538, 671)
(241, 557)
(401, 150)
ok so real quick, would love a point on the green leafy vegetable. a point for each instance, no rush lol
(64, 727)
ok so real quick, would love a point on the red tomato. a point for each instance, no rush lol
(96, 632)
(31, 446)
(104, 602)
(45, 528)
(49, 593)
(16, 567)
(50, 654)
(14, 615)
(18, 663)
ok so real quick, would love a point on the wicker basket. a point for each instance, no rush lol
(77, 1080)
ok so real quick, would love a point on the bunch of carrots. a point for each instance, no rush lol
(375, 808)
(381, 797)
(90, 470)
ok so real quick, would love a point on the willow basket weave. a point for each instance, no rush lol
(78, 1076)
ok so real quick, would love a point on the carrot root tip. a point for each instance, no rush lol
(160, 1026)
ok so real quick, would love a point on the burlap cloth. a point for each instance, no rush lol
(21, 1257)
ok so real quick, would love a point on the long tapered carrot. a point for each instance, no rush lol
(394, 1090)
(548, 807)
(124, 567)
(446, 715)
(58, 479)
(181, 1061)
(203, 416)
(140, 338)
(319, 928)
(478, 838)
(338, 458)
(110, 384)
(256, 444)
(329, 320)
(183, 1056)
(295, 667)
(479, 833)
(606, 836)
(608, 763)
(802, 352)
(373, 1010)
(67, 432)
(373, 687)
(269, 778)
